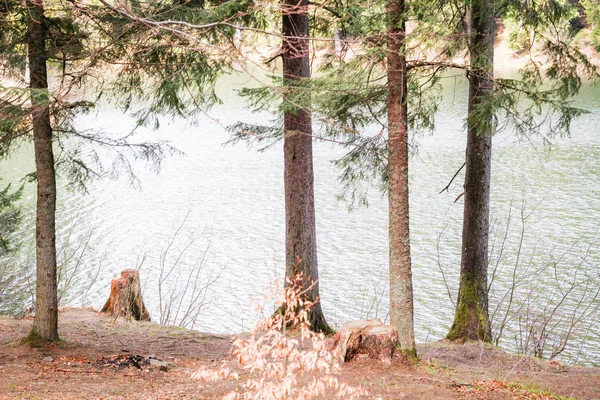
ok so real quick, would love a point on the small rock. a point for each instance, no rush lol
(162, 365)
(49, 359)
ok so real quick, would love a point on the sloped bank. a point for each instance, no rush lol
(92, 362)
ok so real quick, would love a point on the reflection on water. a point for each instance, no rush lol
(231, 199)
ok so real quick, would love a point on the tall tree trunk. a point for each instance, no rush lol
(45, 324)
(301, 237)
(471, 320)
(401, 290)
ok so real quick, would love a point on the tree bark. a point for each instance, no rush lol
(301, 237)
(401, 290)
(45, 323)
(369, 337)
(125, 298)
(471, 320)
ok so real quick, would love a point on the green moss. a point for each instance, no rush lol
(435, 368)
(411, 355)
(323, 328)
(32, 338)
(536, 390)
(467, 311)
(35, 340)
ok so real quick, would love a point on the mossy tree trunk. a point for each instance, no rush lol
(471, 320)
(301, 238)
(401, 289)
(45, 323)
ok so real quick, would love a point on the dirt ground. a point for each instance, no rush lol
(100, 358)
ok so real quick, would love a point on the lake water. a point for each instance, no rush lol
(228, 203)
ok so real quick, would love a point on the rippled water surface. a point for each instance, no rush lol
(227, 202)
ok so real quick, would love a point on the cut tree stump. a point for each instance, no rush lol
(126, 297)
(369, 337)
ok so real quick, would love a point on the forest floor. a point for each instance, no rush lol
(96, 358)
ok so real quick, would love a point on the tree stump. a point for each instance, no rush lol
(125, 298)
(370, 337)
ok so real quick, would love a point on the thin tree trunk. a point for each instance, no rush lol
(45, 324)
(301, 237)
(401, 290)
(471, 320)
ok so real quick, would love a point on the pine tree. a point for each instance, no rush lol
(45, 323)
(543, 90)
(300, 224)
(383, 85)
(294, 106)
(217, 24)
(401, 289)
(471, 320)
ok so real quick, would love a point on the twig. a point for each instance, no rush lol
(452, 180)
(439, 263)
(271, 59)
(74, 371)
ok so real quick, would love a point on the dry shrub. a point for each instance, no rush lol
(283, 358)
